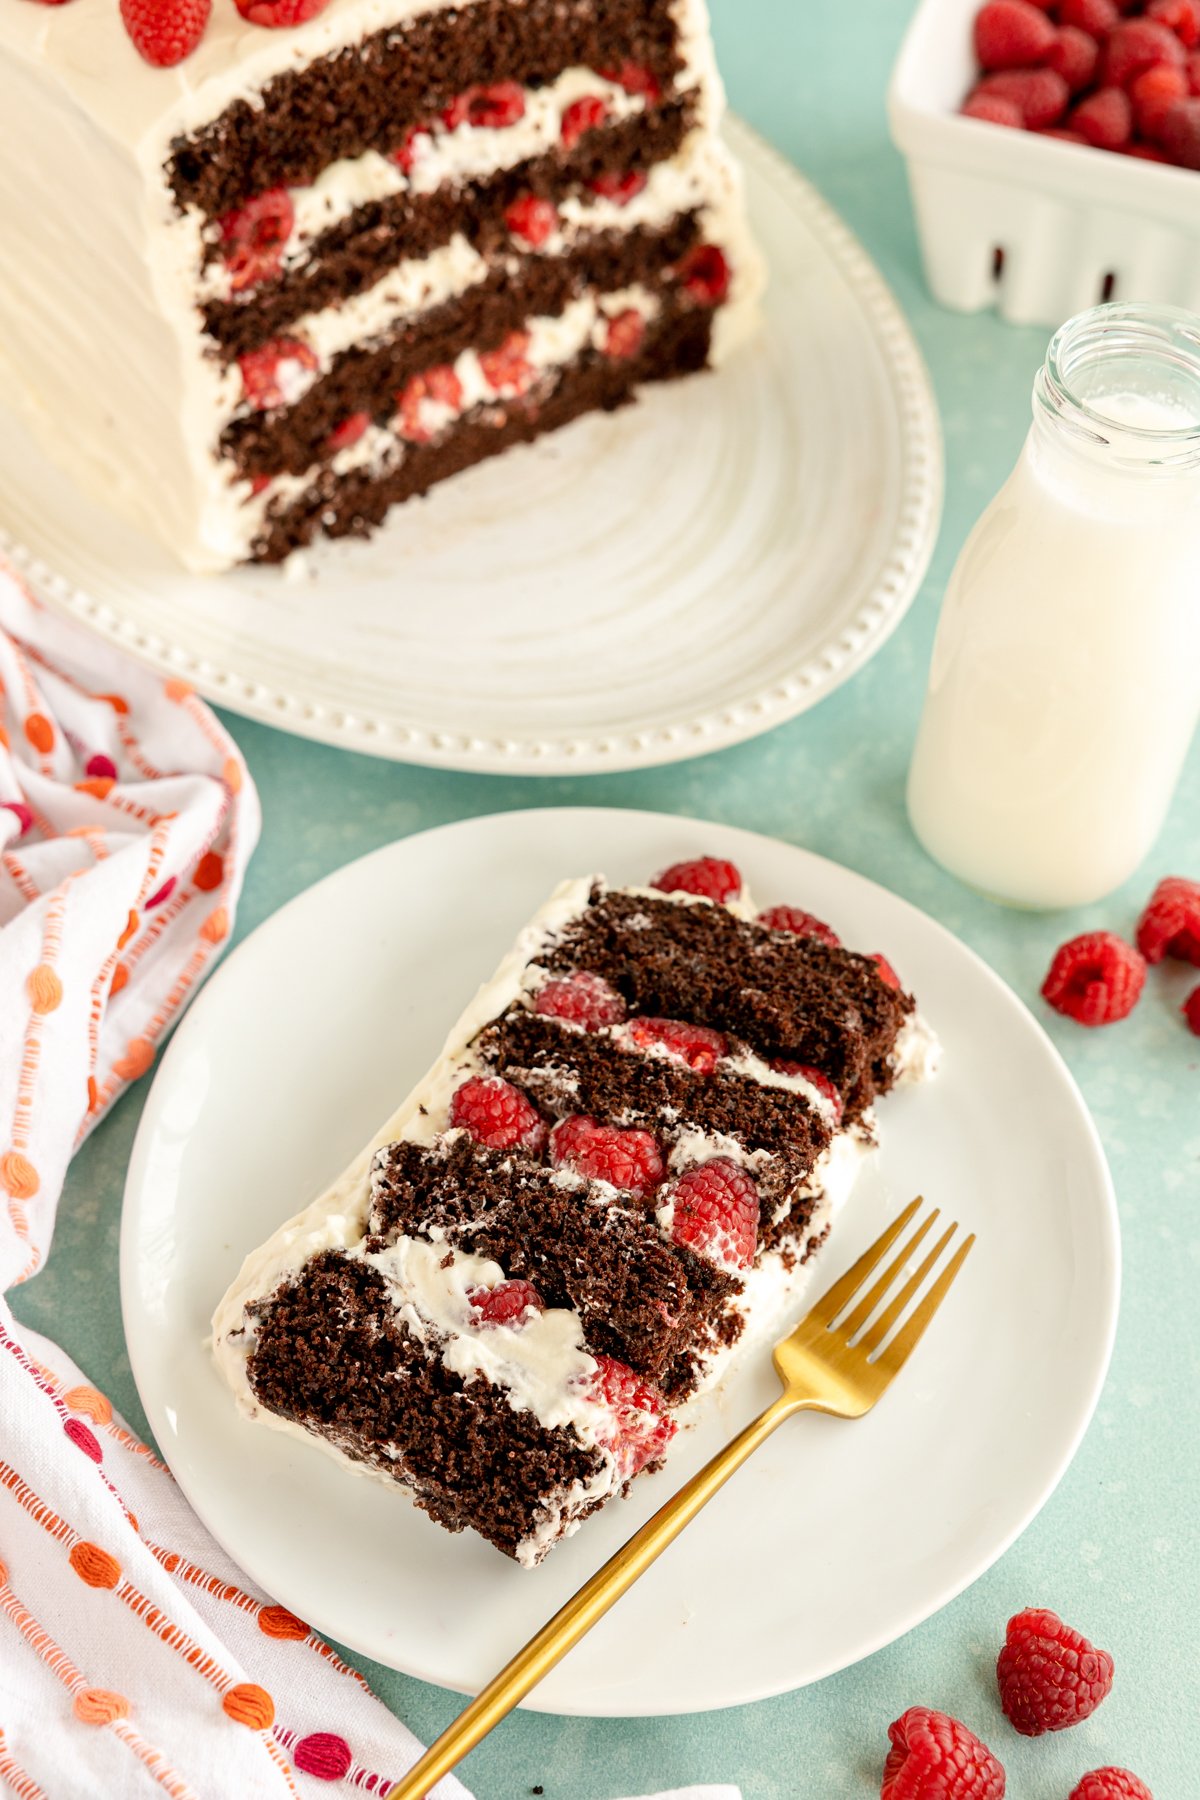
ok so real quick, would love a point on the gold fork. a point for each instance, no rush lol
(828, 1364)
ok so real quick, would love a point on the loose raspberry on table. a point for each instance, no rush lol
(437, 387)
(816, 1078)
(695, 1045)
(636, 79)
(1170, 925)
(1191, 1010)
(935, 1757)
(1095, 979)
(715, 1211)
(582, 116)
(625, 335)
(254, 236)
(509, 366)
(706, 275)
(993, 109)
(508, 1303)
(271, 375)
(1049, 1676)
(165, 31)
(1075, 56)
(629, 1160)
(492, 108)
(1041, 94)
(1137, 44)
(581, 999)
(799, 923)
(639, 1427)
(620, 189)
(497, 1115)
(531, 219)
(1011, 34)
(708, 876)
(276, 13)
(1105, 118)
(1110, 1784)
(1180, 16)
(347, 434)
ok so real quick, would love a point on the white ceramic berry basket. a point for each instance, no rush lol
(1075, 225)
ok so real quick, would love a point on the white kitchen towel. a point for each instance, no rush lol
(134, 1658)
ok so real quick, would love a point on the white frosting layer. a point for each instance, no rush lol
(542, 1364)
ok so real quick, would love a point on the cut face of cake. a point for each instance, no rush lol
(312, 271)
(635, 1138)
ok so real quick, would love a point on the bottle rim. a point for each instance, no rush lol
(1165, 340)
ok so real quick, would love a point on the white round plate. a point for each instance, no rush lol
(630, 591)
(846, 1535)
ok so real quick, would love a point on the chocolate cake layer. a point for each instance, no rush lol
(368, 377)
(570, 1071)
(333, 1354)
(353, 504)
(641, 1299)
(367, 96)
(352, 255)
(789, 997)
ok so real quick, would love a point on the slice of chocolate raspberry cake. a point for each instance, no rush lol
(633, 1141)
(315, 269)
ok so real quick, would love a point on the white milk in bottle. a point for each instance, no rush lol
(1065, 683)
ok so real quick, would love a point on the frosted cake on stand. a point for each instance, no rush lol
(311, 271)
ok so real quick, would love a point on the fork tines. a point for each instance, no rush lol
(869, 1334)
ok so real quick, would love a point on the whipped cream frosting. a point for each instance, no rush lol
(542, 1366)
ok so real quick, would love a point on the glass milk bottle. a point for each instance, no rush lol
(1065, 683)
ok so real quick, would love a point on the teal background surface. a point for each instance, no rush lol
(1117, 1549)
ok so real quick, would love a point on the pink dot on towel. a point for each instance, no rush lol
(24, 816)
(104, 766)
(85, 1438)
(324, 1755)
(164, 893)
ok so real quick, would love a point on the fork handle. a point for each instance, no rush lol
(581, 1612)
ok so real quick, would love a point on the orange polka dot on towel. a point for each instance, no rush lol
(44, 988)
(100, 1706)
(130, 931)
(232, 775)
(4, 738)
(40, 732)
(278, 1622)
(216, 927)
(93, 1094)
(90, 1402)
(118, 704)
(139, 1054)
(178, 690)
(250, 1705)
(120, 976)
(210, 872)
(19, 1176)
(98, 786)
(94, 1565)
